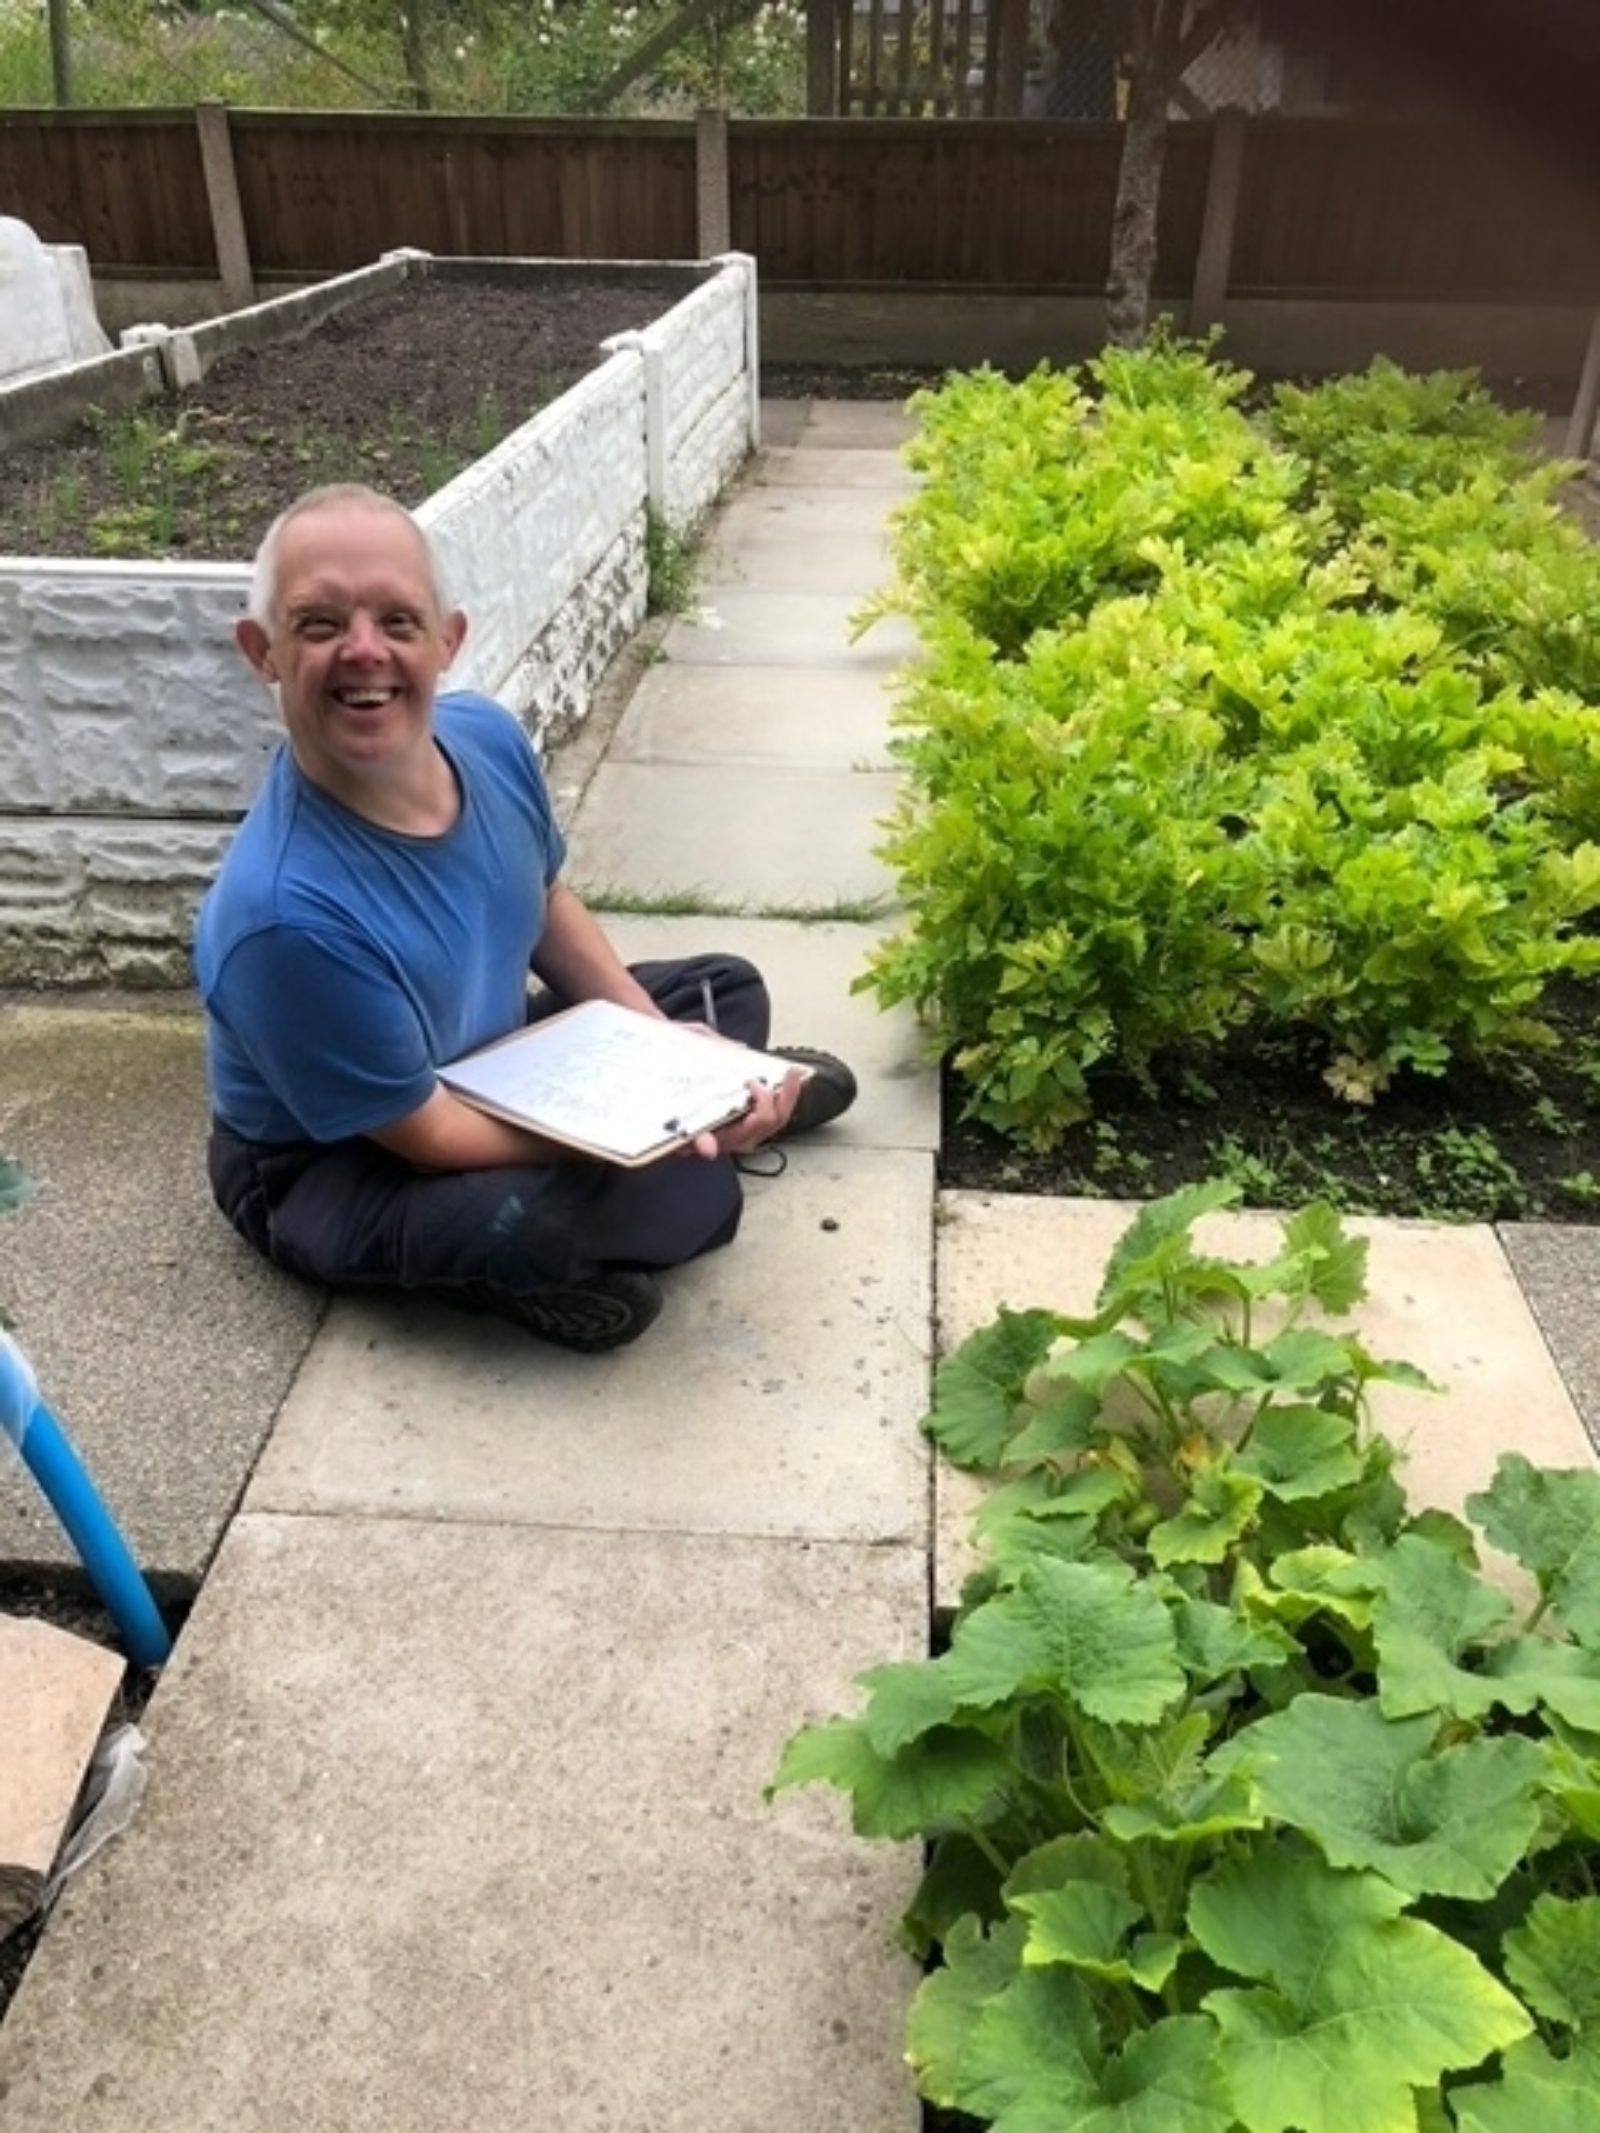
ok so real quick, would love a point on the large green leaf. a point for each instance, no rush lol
(1318, 1580)
(1536, 2093)
(1216, 1641)
(947, 1777)
(1221, 1505)
(1335, 1263)
(1431, 1610)
(1372, 1792)
(1357, 2007)
(976, 1390)
(1300, 1360)
(1564, 1678)
(1300, 1453)
(1550, 1521)
(1158, 1238)
(1084, 1633)
(1553, 1959)
(1032, 2066)
(976, 1968)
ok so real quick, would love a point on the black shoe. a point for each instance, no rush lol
(607, 1310)
(827, 1094)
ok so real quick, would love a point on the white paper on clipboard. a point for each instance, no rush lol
(613, 1081)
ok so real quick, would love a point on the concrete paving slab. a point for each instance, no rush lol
(799, 540)
(747, 626)
(850, 425)
(809, 971)
(783, 420)
(779, 1394)
(162, 1344)
(1558, 1265)
(774, 716)
(1444, 1298)
(733, 835)
(450, 1826)
(834, 467)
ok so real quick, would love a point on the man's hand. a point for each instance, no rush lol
(769, 1112)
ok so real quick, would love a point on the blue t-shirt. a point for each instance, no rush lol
(340, 963)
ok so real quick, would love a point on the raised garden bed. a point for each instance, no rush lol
(131, 739)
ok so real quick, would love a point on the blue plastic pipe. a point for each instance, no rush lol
(48, 1455)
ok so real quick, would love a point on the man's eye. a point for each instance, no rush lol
(401, 625)
(317, 627)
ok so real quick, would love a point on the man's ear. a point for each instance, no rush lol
(256, 646)
(455, 633)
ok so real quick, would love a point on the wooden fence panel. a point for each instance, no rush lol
(325, 192)
(1392, 209)
(999, 204)
(127, 185)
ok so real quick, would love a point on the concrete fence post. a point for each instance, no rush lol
(227, 212)
(745, 262)
(713, 210)
(1214, 259)
(655, 412)
(1580, 430)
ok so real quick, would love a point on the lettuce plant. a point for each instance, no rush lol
(1249, 1804)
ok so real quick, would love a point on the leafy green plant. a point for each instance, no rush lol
(670, 564)
(1184, 758)
(1249, 1804)
(16, 1190)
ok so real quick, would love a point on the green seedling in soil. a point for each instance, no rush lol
(670, 565)
(1582, 1186)
(1230, 1745)
(1472, 1178)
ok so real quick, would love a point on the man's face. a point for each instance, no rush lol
(356, 643)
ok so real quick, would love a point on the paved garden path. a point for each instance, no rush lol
(455, 1813)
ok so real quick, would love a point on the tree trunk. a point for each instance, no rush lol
(414, 46)
(1156, 27)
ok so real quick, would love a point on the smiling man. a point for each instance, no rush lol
(378, 915)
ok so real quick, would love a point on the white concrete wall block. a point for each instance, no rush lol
(706, 460)
(123, 669)
(702, 340)
(551, 685)
(103, 902)
(522, 527)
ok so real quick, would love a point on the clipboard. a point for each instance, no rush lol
(611, 1082)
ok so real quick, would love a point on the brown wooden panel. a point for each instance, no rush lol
(1413, 210)
(127, 186)
(320, 197)
(930, 202)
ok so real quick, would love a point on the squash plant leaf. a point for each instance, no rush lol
(1553, 1959)
(1301, 1453)
(1157, 1240)
(976, 1390)
(1535, 2090)
(1356, 2006)
(1220, 1508)
(1214, 1641)
(1550, 1521)
(946, 1778)
(977, 1967)
(1564, 1678)
(1032, 2067)
(1372, 1792)
(16, 1187)
(1432, 1609)
(1335, 1264)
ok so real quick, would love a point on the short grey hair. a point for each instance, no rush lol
(263, 599)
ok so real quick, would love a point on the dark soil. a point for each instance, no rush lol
(402, 392)
(1523, 1144)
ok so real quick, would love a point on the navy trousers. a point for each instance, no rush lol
(351, 1215)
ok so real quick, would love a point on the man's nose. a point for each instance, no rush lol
(363, 640)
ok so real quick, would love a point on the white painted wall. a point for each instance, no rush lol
(132, 735)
